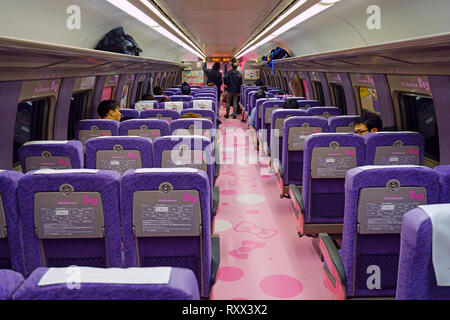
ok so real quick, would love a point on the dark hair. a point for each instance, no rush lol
(291, 104)
(259, 83)
(263, 88)
(185, 89)
(148, 97)
(281, 92)
(233, 60)
(158, 91)
(105, 107)
(260, 95)
(370, 121)
(164, 99)
(216, 66)
(234, 65)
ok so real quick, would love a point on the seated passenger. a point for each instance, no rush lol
(164, 99)
(157, 91)
(185, 89)
(190, 115)
(109, 109)
(259, 95)
(148, 97)
(368, 124)
(291, 104)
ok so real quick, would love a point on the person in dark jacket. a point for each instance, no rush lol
(233, 81)
(214, 76)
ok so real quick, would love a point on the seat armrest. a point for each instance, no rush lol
(296, 197)
(332, 257)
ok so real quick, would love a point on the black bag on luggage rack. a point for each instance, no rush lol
(117, 41)
(277, 53)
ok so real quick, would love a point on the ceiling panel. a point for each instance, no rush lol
(222, 26)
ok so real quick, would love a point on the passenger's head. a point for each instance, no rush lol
(211, 84)
(263, 88)
(190, 115)
(233, 60)
(234, 66)
(290, 104)
(148, 97)
(216, 66)
(259, 83)
(185, 89)
(158, 91)
(109, 109)
(368, 124)
(164, 99)
(260, 95)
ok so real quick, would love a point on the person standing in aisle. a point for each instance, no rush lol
(214, 76)
(233, 81)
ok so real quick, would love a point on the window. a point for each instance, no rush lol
(139, 91)
(306, 90)
(369, 100)
(77, 112)
(319, 92)
(339, 97)
(31, 123)
(418, 115)
(107, 93)
(124, 96)
(286, 84)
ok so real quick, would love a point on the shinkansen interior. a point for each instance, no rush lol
(225, 150)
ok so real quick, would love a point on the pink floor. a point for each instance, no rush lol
(262, 258)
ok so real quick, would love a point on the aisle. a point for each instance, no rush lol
(262, 257)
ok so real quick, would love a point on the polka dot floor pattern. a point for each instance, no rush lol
(262, 258)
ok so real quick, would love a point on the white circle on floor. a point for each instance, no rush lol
(222, 225)
(250, 198)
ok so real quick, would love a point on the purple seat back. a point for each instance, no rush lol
(181, 98)
(205, 113)
(146, 105)
(171, 93)
(258, 105)
(185, 246)
(416, 259)
(342, 124)
(444, 182)
(10, 281)
(35, 155)
(161, 114)
(306, 104)
(178, 105)
(266, 117)
(87, 129)
(295, 131)
(198, 126)
(248, 94)
(208, 104)
(245, 93)
(11, 250)
(371, 245)
(327, 158)
(119, 153)
(182, 286)
(130, 113)
(145, 128)
(73, 194)
(277, 129)
(394, 148)
(324, 112)
(157, 97)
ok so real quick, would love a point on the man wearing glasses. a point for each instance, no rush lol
(368, 124)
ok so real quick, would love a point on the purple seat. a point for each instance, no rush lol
(146, 105)
(181, 98)
(182, 286)
(266, 121)
(342, 124)
(394, 148)
(157, 97)
(36, 155)
(183, 241)
(306, 104)
(11, 250)
(119, 153)
(296, 129)
(10, 281)
(77, 215)
(161, 114)
(248, 94)
(204, 113)
(145, 128)
(376, 198)
(202, 127)
(244, 93)
(444, 182)
(324, 112)
(327, 158)
(168, 93)
(416, 257)
(130, 113)
(208, 104)
(258, 105)
(174, 105)
(87, 129)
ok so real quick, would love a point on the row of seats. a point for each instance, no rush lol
(95, 218)
(204, 103)
(395, 235)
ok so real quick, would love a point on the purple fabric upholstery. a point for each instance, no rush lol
(183, 252)
(342, 121)
(245, 93)
(67, 252)
(160, 113)
(444, 182)
(258, 105)
(72, 150)
(292, 161)
(201, 124)
(182, 286)
(377, 249)
(276, 142)
(416, 275)
(319, 111)
(101, 124)
(181, 98)
(308, 103)
(267, 126)
(205, 113)
(10, 281)
(151, 124)
(11, 250)
(128, 143)
(130, 113)
(324, 198)
(171, 93)
(374, 140)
